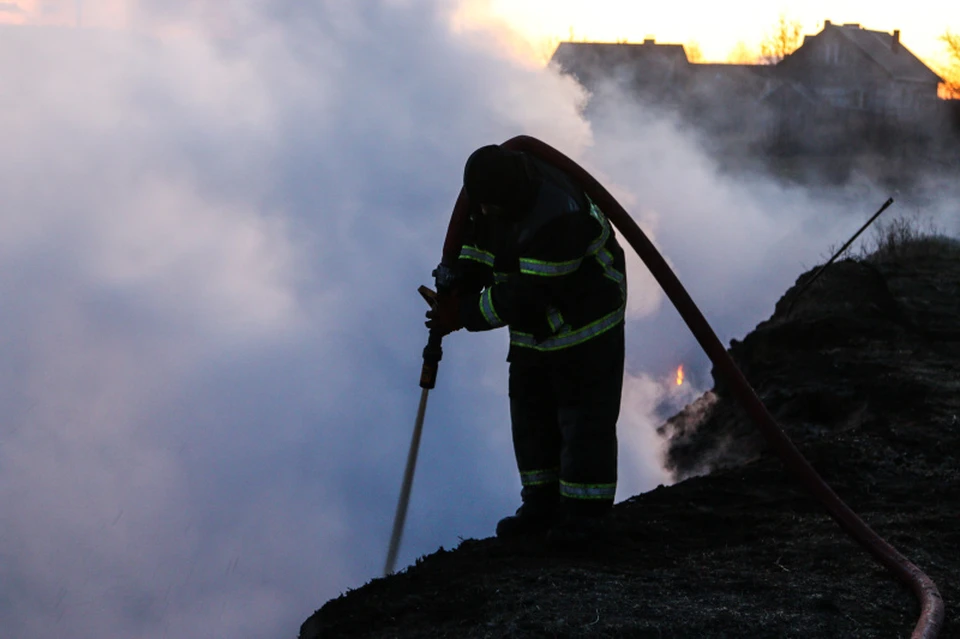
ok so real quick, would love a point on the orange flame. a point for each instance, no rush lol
(680, 374)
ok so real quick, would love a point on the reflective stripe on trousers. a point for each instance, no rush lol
(587, 491)
(563, 412)
(539, 477)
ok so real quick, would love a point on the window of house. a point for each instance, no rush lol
(837, 97)
(831, 53)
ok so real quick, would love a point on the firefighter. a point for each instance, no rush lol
(540, 258)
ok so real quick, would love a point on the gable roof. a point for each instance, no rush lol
(888, 52)
(609, 54)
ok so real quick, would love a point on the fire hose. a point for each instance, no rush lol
(932, 609)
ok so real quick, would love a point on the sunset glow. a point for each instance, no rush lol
(719, 28)
(532, 28)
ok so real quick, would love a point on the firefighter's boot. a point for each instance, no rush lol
(534, 517)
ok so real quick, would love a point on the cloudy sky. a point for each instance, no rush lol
(210, 334)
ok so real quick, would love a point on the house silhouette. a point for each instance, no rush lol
(846, 89)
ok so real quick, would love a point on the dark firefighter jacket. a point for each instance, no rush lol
(554, 273)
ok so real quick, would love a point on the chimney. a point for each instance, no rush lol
(649, 40)
(895, 45)
(827, 23)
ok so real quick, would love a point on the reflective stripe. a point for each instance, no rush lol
(603, 255)
(587, 491)
(598, 243)
(477, 255)
(549, 269)
(555, 319)
(566, 339)
(529, 266)
(488, 311)
(540, 477)
(595, 210)
(500, 278)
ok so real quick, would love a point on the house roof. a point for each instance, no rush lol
(897, 60)
(612, 54)
(739, 72)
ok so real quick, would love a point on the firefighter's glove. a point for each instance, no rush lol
(444, 313)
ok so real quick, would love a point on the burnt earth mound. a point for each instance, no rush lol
(863, 372)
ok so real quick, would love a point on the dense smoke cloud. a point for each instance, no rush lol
(211, 330)
(211, 333)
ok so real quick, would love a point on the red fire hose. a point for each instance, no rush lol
(932, 610)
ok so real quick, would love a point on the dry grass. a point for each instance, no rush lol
(905, 238)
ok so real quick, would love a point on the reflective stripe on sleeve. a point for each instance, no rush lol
(488, 311)
(540, 477)
(587, 491)
(598, 243)
(605, 258)
(554, 319)
(477, 255)
(603, 255)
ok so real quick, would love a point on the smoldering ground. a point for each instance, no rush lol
(211, 333)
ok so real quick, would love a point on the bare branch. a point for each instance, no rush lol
(951, 73)
(952, 40)
(783, 40)
(742, 54)
(694, 52)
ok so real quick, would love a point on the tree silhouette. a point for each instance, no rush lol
(951, 74)
(783, 40)
(693, 51)
(742, 54)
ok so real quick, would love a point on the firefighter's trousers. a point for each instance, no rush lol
(564, 408)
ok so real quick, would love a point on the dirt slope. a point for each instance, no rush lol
(864, 374)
